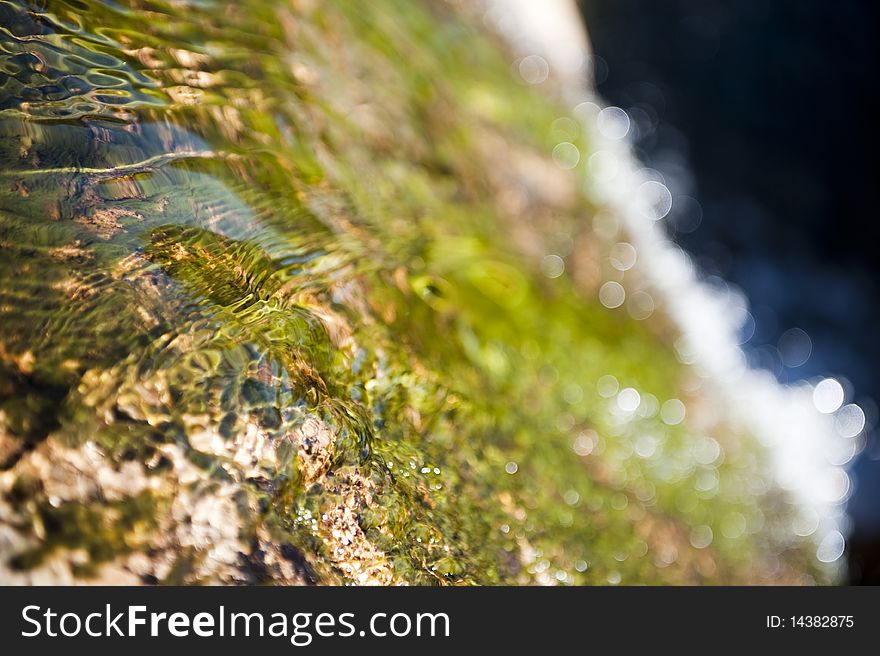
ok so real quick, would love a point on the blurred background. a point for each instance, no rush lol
(762, 114)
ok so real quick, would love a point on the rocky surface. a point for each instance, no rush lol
(296, 292)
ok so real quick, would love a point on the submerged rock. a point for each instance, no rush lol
(302, 292)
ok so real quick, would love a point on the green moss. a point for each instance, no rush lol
(103, 531)
(338, 210)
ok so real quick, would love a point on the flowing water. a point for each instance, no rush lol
(296, 292)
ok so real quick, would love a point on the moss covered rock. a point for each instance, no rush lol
(295, 292)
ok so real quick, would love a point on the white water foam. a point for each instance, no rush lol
(809, 437)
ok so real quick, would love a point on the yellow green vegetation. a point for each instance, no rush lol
(273, 310)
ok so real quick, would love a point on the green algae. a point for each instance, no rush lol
(101, 532)
(264, 223)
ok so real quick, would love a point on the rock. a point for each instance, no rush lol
(279, 310)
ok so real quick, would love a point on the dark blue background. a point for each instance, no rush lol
(771, 106)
